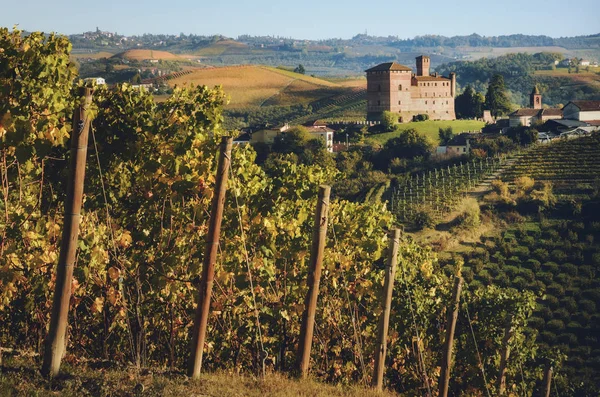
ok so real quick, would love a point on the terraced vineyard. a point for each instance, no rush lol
(558, 260)
(572, 165)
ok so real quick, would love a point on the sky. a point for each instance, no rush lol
(307, 19)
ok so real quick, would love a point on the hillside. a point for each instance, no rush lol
(262, 86)
(141, 55)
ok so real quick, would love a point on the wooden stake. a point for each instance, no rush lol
(451, 327)
(314, 278)
(504, 355)
(547, 381)
(55, 340)
(210, 258)
(384, 320)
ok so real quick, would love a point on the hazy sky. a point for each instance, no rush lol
(310, 19)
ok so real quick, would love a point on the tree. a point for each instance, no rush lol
(495, 98)
(389, 120)
(445, 135)
(408, 145)
(469, 104)
(300, 69)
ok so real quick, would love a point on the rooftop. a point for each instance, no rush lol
(384, 67)
(431, 78)
(587, 105)
(525, 112)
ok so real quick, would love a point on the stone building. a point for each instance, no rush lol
(534, 113)
(395, 88)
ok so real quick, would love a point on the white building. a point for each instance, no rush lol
(97, 80)
(582, 110)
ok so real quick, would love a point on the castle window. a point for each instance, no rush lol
(446, 102)
(425, 94)
(379, 87)
(378, 103)
(434, 102)
(436, 84)
(399, 102)
(425, 102)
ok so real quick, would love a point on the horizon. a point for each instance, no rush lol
(266, 18)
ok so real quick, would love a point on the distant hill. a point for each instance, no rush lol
(260, 86)
(140, 55)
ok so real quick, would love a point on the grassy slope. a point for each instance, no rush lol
(430, 129)
(140, 55)
(21, 377)
(255, 85)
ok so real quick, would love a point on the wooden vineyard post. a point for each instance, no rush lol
(314, 278)
(384, 321)
(504, 355)
(451, 327)
(55, 341)
(210, 257)
(547, 381)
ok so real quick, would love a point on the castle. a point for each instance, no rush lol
(395, 88)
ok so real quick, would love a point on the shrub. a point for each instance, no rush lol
(572, 236)
(545, 277)
(537, 287)
(522, 252)
(592, 294)
(573, 291)
(556, 290)
(514, 261)
(527, 274)
(551, 234)
(586, 272)
(568, 339)
(498, 258)
(544, 312)
(548, 337)
(493, 269)
(528, 241)
(562, 314)
(475, 264)
(541, 254)
(519, 283)
(533, 264)
(583, 318)
(423, 219)
(558, 256)
(587, 306)
(551, 267)
(569, 269)
(513, 217)
(502, 280)
(524, 184)
(555, 325)
(574, 326)
(551, 301)
(485, 277)
(421, 117)
(467, 274)
(568, 303)
(563, 279)
(511, 271)
(536, 322)
(470, 216)
(501, 188)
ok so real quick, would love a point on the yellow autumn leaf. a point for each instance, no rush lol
(114, 273)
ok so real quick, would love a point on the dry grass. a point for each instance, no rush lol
(95, 55)
(20, 377)
(140, 55)
(254, 85)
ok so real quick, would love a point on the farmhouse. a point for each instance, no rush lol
(582, 111)
(534, 113)
(395, 88)
(317, 131)
(97, 80)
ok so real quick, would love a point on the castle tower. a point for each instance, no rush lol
(535, 99)
(423, 63)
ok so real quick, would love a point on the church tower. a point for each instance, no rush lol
(535, 99)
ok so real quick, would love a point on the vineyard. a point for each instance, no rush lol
(177, 251)
(436, 193)
(571, 165)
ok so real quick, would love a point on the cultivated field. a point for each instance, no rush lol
(259, 86)
(430, 129)
(222, 47)
(140, 55)
(92, 55)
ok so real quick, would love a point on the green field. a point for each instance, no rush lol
(430, 129)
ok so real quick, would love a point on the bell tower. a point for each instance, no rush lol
(535, 99)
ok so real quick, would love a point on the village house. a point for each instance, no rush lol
(267, 135)
(588, 111)
(97, 80)
(395, 88)
(534, 113)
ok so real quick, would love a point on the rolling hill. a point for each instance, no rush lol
(262, 86)
(140, 55)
